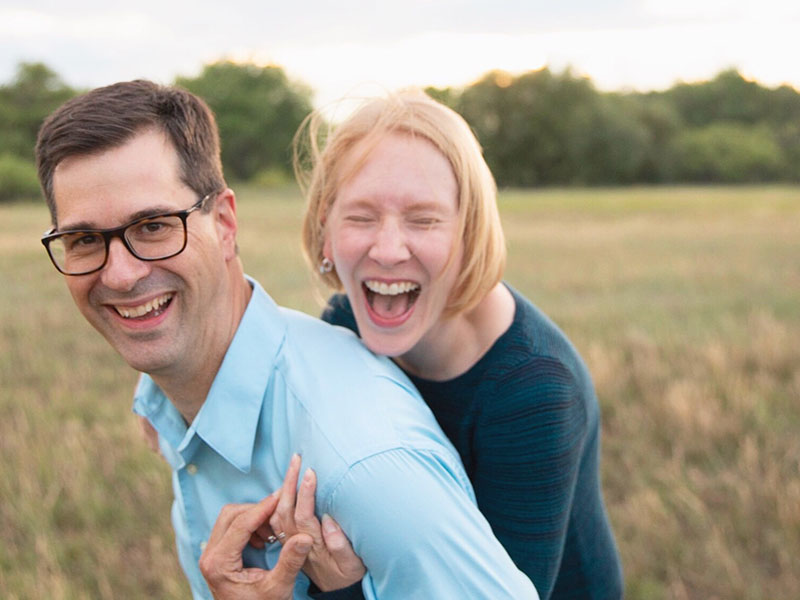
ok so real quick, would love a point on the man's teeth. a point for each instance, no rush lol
(391, 289)
(130, 312)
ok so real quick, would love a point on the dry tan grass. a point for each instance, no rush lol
(685, 303)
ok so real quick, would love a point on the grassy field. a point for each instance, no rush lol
(685, 303)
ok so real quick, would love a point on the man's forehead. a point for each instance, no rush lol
(67, 224)
(111, 187)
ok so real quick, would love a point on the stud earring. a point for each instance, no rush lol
(326, 266)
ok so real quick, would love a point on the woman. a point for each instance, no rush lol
(402, 217)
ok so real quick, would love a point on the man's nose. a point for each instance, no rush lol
(390, 245)
(122, 269)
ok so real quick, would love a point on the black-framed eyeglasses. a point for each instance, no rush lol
(156, 237)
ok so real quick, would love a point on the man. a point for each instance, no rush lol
(144, 230)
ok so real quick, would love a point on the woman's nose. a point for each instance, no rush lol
(390, 245)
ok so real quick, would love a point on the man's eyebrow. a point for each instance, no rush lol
(151, 211)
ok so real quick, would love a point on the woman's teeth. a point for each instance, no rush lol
(391, 289)
(132, 312)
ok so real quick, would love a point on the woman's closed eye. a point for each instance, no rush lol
(424, 221)
(359, 218)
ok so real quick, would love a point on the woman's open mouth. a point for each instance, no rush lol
(392, 302)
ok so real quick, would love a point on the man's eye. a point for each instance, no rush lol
(152, 229)
(83, 242)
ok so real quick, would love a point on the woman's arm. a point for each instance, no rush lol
(528, 442)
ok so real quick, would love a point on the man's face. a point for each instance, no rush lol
(161, 316)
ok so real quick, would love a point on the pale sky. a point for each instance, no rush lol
(350, 46)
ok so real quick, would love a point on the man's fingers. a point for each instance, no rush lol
(224, 519)
(257, 515)
(291, 560)
(265, 533)
(237, 523)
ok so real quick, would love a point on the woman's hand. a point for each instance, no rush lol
(221, 561)
(332, 564)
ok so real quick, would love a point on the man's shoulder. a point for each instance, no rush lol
(336, 351)
(358, 403)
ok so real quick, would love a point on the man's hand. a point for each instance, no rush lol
(332, 564)
(221, 562)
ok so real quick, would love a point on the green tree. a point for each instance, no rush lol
(727, 152)
(727, 97)
(552, 128)
(33, 94)
(660, 120)
(555, 128)
(258, 110)
(18, 180)
(524, 123)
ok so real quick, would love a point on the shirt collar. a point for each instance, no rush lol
(228, 419)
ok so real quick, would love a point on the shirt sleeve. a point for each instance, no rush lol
(419, 533)
(528, 446)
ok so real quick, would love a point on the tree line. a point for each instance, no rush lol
(538, 128)
(546, 128)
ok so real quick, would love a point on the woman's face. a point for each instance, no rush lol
(390, 233)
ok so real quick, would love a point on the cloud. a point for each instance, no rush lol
(123, 26)
(721, 10)
(335, 47)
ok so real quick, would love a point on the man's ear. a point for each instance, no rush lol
(225, 222)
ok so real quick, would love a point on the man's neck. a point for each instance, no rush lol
(188, 389)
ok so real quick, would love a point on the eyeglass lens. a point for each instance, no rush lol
(153, 239)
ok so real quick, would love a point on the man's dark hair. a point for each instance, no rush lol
(110, 116)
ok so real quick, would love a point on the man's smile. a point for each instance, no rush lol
(155, 306)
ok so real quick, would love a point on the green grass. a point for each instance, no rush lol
(684, 301)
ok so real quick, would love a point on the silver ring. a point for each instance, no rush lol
(271, 539)
(282, 535)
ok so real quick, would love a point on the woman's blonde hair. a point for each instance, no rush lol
(320, 151)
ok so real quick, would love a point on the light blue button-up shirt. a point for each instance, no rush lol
(385, 471)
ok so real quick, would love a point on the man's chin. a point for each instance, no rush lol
(145, 356)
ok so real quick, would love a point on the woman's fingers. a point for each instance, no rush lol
(282, 521)
(304, 517)
(340, 549)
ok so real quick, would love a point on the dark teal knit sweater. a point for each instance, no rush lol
(525, 420)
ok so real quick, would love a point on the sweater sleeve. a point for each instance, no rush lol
(338, 312)
(352, 592)
(527, 445)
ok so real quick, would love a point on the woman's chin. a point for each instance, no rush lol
(385, 344)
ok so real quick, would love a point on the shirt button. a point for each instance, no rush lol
(191, 469)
